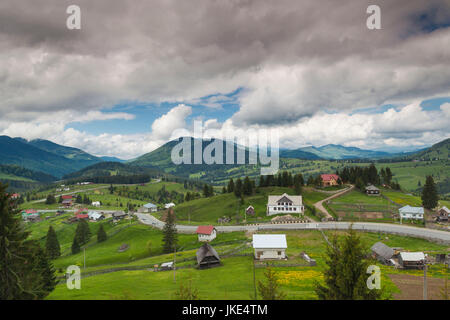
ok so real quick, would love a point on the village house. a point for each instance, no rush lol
(169, 205)
(371, 190)
(250, 211)
(329, 180)
(118, 215)
(166, 266)
(206, 233)
(67, 203)
(408, 212)
(284, 204)
(95, 216)
(383, 253)
(149, 207)
(411, 260)
(207, 257)
(96, 203)
(15, 196)
(29, 214)
(443, 214)
(269, 246)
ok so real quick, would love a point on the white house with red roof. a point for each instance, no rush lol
(206, 233)
(329, 179)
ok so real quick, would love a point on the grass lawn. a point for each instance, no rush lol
(234, 279)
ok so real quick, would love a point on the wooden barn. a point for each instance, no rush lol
(207, 257)
(382, 253)
(411, 260)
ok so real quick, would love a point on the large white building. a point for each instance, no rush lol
(269, 246)
(285, 204)
(408, 212)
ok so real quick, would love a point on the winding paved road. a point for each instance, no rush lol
(424, 233)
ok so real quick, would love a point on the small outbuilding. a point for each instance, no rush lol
(250, 211)
(269, 246)
(169, 205)
(118, 215)
(382, 252)
(206, 233)
(408, 212)
(411, 260)
(371, 190)
(166, 266)
(443, 214)
(207, 257)
(150, 207)
(94, 215)
(96, 203)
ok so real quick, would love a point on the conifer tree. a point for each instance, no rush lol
(169, 233)
(430, 195)
(101, 234)
(52, 247)
(346, 273)
(75, 246)
(23, 264)
(270, 289)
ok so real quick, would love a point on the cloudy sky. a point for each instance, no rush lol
(139, 70)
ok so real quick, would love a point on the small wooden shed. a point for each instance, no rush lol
(207, 257)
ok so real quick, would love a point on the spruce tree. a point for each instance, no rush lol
(75, 246)
(270, 289)
(345, 276)
(169, 233)
(101, 234)
(52, 247)
(82, 233)
(429, 194)
(23, 263)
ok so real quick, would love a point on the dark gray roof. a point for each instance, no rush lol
(382, 250)
(206, 251)
(119, 214)
(372, 187)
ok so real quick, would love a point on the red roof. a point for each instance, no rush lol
(82, 216)
(30, 211)
(81, 210)
(205, 229)
(329, 177)
(67, 197)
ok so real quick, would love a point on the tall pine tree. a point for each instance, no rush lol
(430, 195)
(170, 233)
(52, 247)
(101, 234)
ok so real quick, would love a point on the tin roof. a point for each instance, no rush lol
(410, 209)
(273, 200)
(205, 229)
(412, 256)
(269, 241)
(382, 250)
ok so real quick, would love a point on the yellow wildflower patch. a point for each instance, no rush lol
(294, 277)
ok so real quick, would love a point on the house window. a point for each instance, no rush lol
(279, 253)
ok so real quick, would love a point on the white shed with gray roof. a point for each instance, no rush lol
(269, 246)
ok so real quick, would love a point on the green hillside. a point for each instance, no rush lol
(438, 151)
(24, 154)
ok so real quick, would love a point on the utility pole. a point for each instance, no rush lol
(425, 282)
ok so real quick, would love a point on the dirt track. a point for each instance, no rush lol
(319, 205)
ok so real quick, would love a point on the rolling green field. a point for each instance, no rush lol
(234, 279)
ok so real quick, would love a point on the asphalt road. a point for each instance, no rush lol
(424, 233)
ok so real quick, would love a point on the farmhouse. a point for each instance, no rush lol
(67, 203)
(329, 179)
(82, 216)
(412, 259)
(169, 205)
(166, 266)
(206, 233)
(94, 215)
(443, 214)
(269, 246)
(29, 213)
(96, 203)
(207, 257)
(408, 212)
(150, 207)
(250, 211)
(284, 204)
(372, 191)
(382, 253)
(118, 215)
